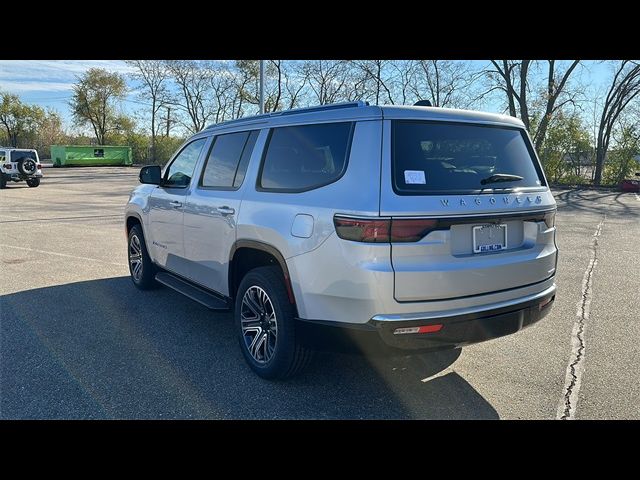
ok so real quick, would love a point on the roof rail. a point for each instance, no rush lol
(295, 111)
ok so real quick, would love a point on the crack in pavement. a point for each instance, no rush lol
(569, 402)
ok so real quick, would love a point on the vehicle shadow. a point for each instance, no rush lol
(599, 202)
(102, 349)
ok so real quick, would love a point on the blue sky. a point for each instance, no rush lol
(48, 83)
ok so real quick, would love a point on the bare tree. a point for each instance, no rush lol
(194, 86)
(327, 80)
(625, 86)
(513, 78)
(445, 82)
(153, 77)
(295, 81)
(405, 75)
(372, 79)
(556, 86)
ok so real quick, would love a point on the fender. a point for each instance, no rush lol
(265, 247)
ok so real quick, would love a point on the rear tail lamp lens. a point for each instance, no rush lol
(411, 230)
(550, 219)
(373, 230)
(381, 230)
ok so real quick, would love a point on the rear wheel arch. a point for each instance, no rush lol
(249, 254)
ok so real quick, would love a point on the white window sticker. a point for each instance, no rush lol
(414, 176)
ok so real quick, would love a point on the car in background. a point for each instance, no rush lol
(630, 184)
(19, 164)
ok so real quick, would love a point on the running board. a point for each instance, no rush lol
(194, 292)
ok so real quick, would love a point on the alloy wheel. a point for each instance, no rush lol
(259, 324)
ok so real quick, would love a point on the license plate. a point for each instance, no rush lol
(489, 238)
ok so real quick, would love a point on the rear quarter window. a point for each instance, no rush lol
(304, 157)
(437, 157)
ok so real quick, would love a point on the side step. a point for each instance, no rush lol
(198, 294)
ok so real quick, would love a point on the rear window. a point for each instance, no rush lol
(430, 157)
(304, 157)
(18, 154)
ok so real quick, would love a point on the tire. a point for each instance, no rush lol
(3, 181)
(27, 166)
(137, 254)
(33, 182)
(277, 353)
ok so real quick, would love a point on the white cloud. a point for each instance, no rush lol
(19, 86)
(56, 70)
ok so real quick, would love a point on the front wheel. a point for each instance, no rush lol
(142, 269)
(265, 322)
(33, 182)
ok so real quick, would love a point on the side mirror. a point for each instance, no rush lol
(151, 174)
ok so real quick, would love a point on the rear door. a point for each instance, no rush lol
(212, 209)
(166, 209)
(470, 208)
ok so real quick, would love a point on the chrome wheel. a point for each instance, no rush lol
(135, 258)
(259, 324)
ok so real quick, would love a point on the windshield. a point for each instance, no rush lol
(436, 157)
(18, 154)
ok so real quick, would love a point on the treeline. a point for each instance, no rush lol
(177, 98)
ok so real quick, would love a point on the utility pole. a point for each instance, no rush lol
(261, 86)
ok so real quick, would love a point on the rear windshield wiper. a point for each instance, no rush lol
(501, 177)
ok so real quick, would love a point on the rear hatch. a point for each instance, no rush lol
(470, 210)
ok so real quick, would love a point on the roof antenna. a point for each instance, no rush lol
(422, 103)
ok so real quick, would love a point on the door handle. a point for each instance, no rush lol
(175, 204)
(226, 210)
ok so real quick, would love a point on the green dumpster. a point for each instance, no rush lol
(64, 155)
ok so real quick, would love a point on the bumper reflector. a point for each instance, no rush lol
(424, 329)
(546, 302)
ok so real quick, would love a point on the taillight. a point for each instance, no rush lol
(550, 218)
(411, 230)
(382, 230)
(375, 230)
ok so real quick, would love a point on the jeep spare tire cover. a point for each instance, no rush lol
(27, 166)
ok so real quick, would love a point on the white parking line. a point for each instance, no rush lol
(62, 255)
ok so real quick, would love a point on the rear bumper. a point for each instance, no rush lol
(21, 176)
(378, 335)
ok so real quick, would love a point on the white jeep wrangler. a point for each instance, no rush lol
(17, 164)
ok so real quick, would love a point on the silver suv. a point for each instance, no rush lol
(398, 228)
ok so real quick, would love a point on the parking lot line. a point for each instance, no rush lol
(61, 254)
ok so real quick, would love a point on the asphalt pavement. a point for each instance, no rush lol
(77, 340)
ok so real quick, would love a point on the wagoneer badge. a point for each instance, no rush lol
(506, 200)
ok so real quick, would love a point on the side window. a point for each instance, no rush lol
(2, 154)
(228, 159)
(304, 157)
(181, 169)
